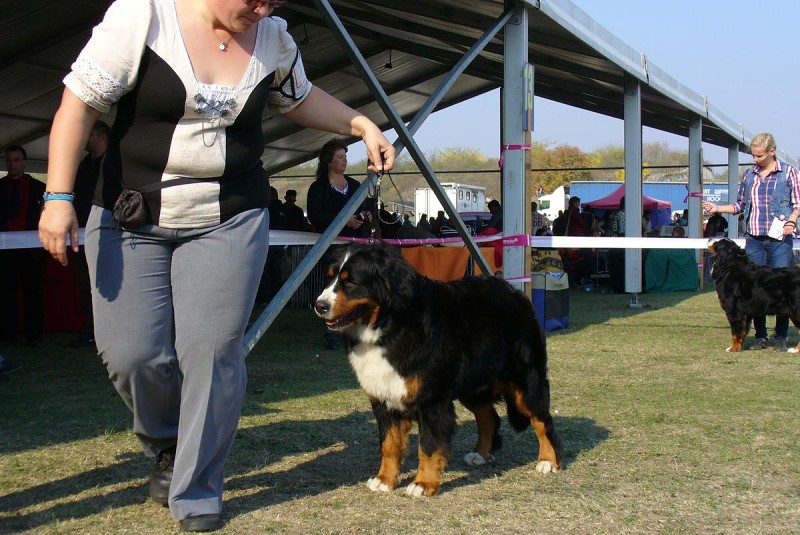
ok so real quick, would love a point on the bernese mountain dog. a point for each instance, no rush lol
(746, 290)
(416, 345)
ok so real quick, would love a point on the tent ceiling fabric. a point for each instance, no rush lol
(425, 39)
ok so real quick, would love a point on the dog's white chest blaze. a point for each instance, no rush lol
(377, 377)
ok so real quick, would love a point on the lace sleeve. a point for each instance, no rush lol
(107, 66)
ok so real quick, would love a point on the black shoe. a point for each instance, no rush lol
(9, 366)
(81, 341)
(161, 476)
(761, 343)
(202, 523)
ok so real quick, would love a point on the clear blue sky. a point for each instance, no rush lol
(743, 55)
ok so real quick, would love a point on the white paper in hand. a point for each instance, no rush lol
(776, 229)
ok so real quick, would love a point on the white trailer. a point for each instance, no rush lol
(550, 205)
(465, 198)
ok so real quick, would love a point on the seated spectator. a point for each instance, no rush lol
(678, 232)
(496, 221)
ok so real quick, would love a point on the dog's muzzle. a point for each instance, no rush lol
(322, 307)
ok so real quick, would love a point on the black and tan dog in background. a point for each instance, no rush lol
(746, 290)
(416, 345)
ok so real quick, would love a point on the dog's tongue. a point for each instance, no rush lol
(330, 323)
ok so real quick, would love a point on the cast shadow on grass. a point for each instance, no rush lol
(349, 455)
(586, 309)
(129, 467)
(279, 459)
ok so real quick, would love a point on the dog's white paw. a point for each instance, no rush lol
(792, 350)
(545, 467)
(377, 485)
(474, 458)
(415, 490)
(728, 350)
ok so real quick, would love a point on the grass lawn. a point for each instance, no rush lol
(664, 432)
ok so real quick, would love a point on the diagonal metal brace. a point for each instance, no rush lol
(363, 68)
(268, 315)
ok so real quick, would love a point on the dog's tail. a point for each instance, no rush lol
(518, 422)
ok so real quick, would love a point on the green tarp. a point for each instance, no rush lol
(671, 270)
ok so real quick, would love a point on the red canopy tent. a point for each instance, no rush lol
(662, 210)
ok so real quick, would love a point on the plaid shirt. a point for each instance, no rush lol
(761, 197)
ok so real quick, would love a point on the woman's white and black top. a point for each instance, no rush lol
(170, 126)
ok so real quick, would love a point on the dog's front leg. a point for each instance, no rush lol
(393, 431)
(739, 329)
(436, 427)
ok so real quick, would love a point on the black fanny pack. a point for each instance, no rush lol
(130, 208)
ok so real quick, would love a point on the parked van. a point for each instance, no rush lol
(465, 198)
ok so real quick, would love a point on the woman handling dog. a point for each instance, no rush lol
(769, 194)
(191, 79)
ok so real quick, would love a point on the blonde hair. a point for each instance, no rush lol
(764, 141)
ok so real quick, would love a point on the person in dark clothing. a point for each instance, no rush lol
(496, 220)
(589, 221)
(576, 261)
(326, 197)
(560, 224)
(20, 205)
(85, 184)
(332, 189)
(272, 276)
(295, 217)
(424, 224)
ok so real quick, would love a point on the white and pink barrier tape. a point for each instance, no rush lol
(30, 239)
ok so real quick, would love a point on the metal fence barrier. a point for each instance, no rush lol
(311, 287)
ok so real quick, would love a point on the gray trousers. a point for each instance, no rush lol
(170, 312)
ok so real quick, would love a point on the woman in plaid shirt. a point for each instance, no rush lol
(768, 191)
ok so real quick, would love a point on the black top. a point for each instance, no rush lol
(325, 203)
(85, 184)
(34, 208)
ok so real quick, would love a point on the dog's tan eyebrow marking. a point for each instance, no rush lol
(331, 272)
(344, 275)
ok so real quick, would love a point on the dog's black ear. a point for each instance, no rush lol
(397, 277)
